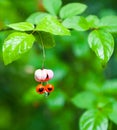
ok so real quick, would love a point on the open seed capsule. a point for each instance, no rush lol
(40, 89)
(49, 88)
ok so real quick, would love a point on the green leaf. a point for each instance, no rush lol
(52, 6)
(15, 45)
(107, 108)
(93, 21)
(45, 38)
(102, 43)
(110, 86)
(22, 26)
(109, 23)
(113, 114)
(52, 25)
(104, 104)
(93, 120)
(72, 9)
(77, 23)
(84, 100)
(35, 18)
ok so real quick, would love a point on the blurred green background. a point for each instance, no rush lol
(75, 66)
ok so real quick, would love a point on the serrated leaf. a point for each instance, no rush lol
(110, 86)
(77, 23)
(72, 9)
(109, 23)
(15, 45)
(93, 120)
(84, 100)
(52, 6)
(35, 18)
(45, 38)
(93, 21)
(113, 114)
(22, 26)
(102, 43)
(52, 25)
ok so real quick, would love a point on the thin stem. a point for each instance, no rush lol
(43, 50)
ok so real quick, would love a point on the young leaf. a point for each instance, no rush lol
(107, 108)
(113, 114)
(93, 120)
(102, 43)
(104, 104)
(52, 6)
(84, 100)
(45, 38)
(22, 26)
(77, 23)
(15, 45)
(72, 9)
(109, 23)
(52, 25)
(35, 18)
(93, 21)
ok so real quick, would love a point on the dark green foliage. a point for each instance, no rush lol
(80, 83)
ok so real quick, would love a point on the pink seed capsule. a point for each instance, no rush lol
(43, 75)
(40, 75)
(50, 74)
